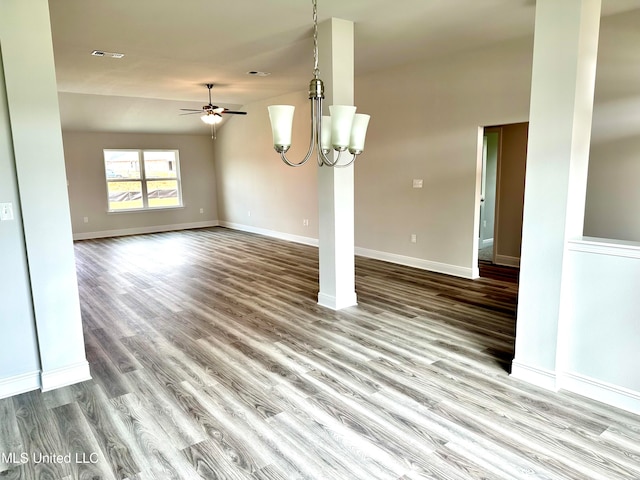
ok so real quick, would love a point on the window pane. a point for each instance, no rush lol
(160, 164)
(124, 195)
(163, 193)
(121, 164)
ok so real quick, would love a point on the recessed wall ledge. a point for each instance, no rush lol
(605, 246)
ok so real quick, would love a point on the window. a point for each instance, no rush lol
(142, 179)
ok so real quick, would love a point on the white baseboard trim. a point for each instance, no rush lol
(61, 377)
(438, 267)
(507, 261)
(143, 230)
(604, 392)
(475, 272)
(18, 384)
(334, 303)
(487, 242)
(313, 242)
(455, 270)
(534, 375)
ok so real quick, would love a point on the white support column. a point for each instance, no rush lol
(562, 89)
(335, 185)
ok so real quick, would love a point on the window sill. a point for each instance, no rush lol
(144, 210)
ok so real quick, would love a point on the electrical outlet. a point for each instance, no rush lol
(305, 222)
(417, 183)
(85, 219)
(6, 211)
(202, 210)
(414, 238)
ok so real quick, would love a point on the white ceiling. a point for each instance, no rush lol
(172, 48)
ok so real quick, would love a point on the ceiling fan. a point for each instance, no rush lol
(211, 114)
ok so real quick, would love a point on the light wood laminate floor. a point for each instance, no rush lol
(210, 359)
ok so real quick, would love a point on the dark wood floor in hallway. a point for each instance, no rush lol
(210, 359)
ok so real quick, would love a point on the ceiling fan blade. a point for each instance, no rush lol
(210, 109)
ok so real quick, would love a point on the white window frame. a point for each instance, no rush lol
(143, 179)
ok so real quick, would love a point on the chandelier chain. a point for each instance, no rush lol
(316, 70)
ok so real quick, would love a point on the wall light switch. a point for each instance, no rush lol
(6, 211)
(417, 183)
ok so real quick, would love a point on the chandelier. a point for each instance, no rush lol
(343, 130)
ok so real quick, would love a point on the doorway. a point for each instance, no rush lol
(489, 181)
(501, 202)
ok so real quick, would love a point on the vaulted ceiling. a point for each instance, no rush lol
(171, 49)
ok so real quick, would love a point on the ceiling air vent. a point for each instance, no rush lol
(100, 53)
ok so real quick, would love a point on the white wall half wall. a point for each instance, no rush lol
(599, 329)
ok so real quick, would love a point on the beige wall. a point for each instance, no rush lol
(613, 190)
(424, 124)
(512, 166)
(256, 189)
(87, 187)
(425, 121)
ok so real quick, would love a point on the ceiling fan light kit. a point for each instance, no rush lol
(211, 114)
(343, 130)
(211, 118)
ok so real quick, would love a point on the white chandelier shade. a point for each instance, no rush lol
(341, 121)
(343, 130)
(281, 117)
(358, 132)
